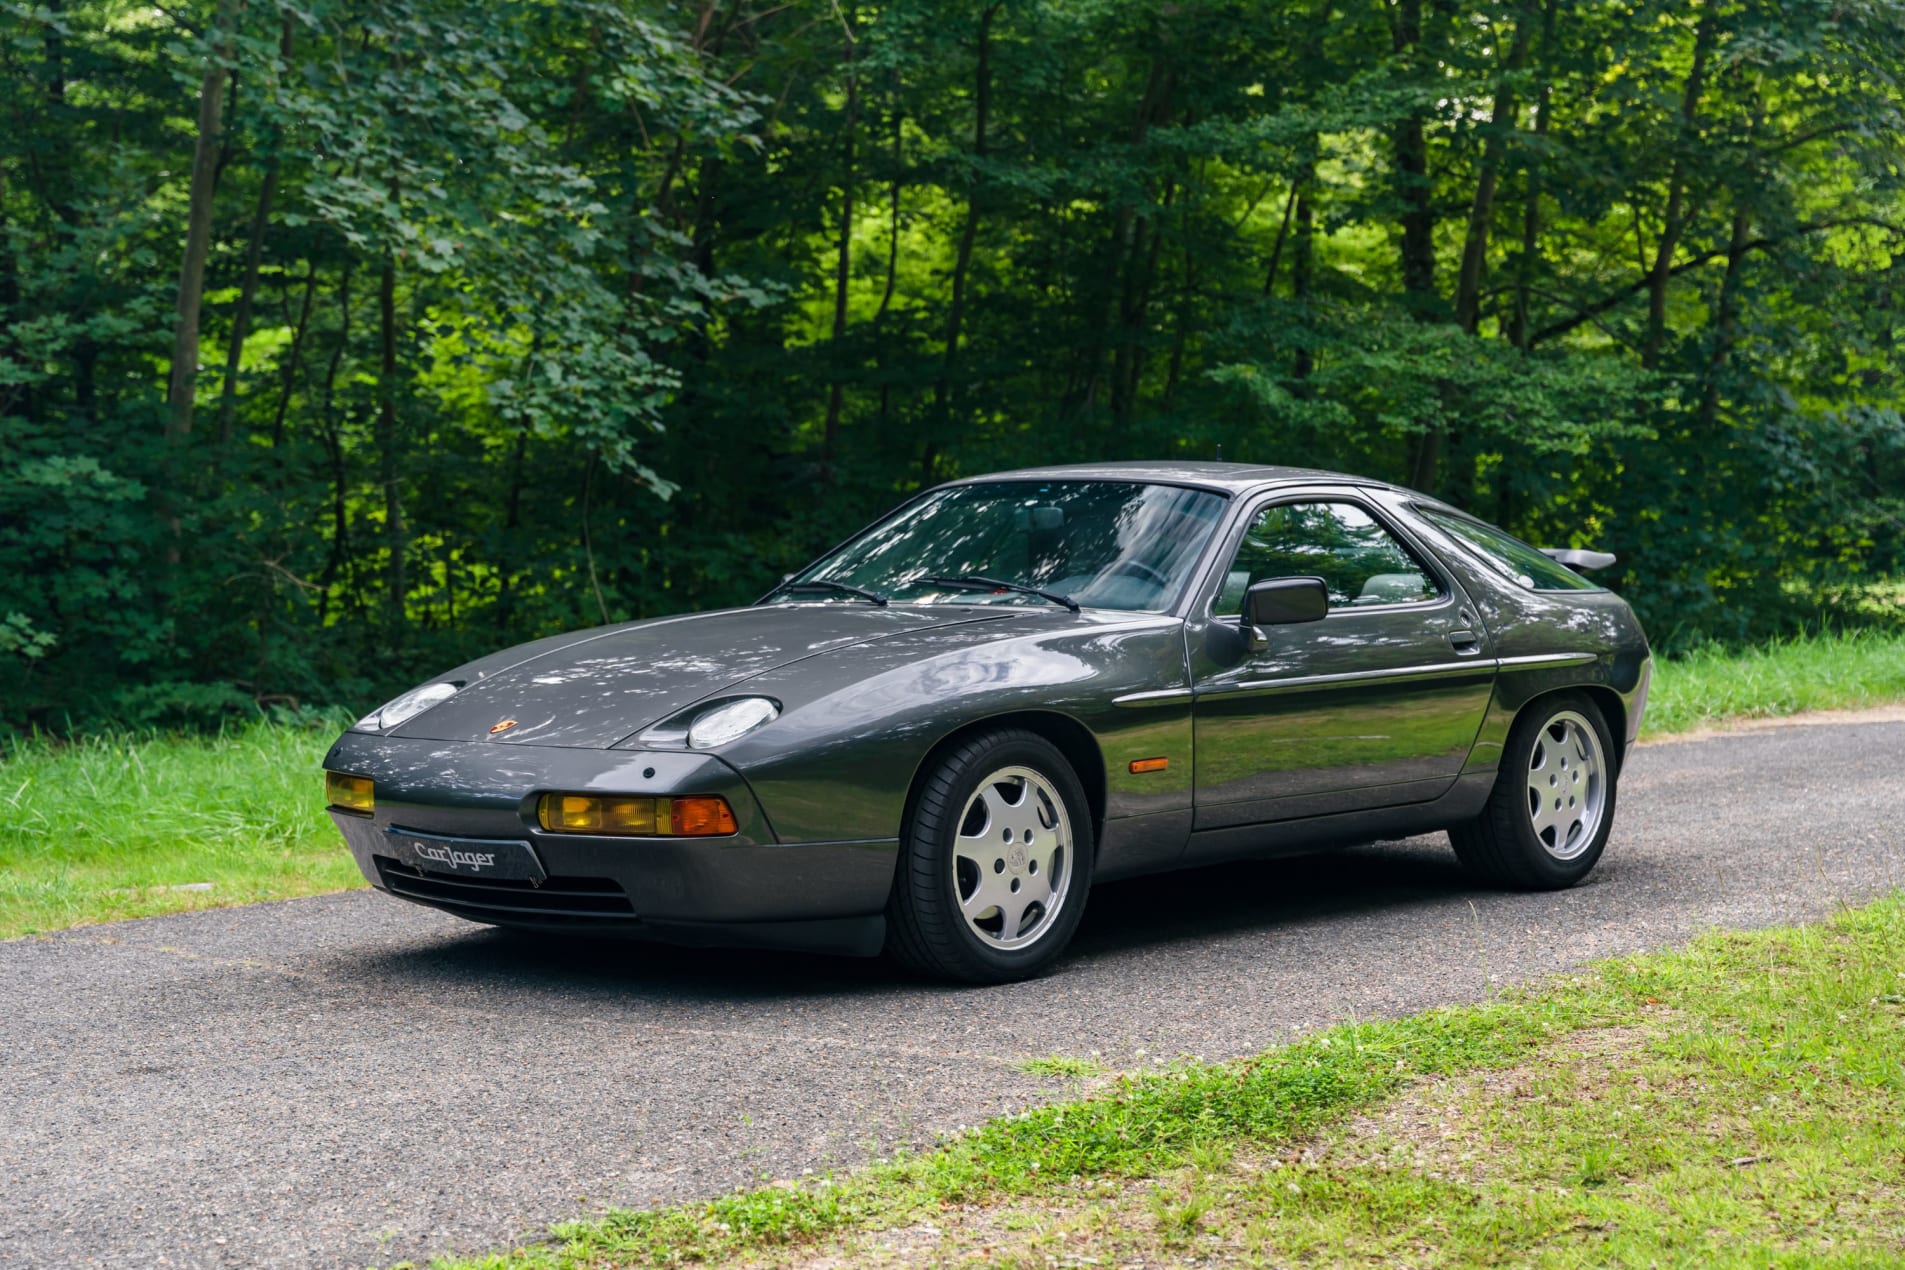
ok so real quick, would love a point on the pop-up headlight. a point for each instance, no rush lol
(403, 709)
(729, 721)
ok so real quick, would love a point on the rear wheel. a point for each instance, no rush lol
(995, 862)
(1548, 818)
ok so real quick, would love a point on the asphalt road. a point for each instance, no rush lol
(351, 1080)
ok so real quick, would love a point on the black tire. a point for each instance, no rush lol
(926, 930)
(1502, 846)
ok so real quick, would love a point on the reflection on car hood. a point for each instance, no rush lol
(591, 690)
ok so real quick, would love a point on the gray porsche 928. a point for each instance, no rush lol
(935, 738)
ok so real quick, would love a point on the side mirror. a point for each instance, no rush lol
(1281, 601)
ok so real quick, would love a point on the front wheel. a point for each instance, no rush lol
(1548, 818)
(994, 864)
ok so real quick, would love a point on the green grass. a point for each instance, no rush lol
(1737, 1103)
(113, 827)
(1831, 671)
(1065, 1066)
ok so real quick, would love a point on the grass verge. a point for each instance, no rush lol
(1740, 1102)
(112, 827)
(1827, 671)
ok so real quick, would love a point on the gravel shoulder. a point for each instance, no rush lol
(348, 1079)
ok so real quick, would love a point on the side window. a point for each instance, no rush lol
(1524, 565)
(1361, 562)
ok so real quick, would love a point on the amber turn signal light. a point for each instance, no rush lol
(701, 816)
(350, 793)
(1142, 765)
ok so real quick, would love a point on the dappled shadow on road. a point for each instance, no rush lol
(1141, 916)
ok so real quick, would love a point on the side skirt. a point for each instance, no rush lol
(1462, 802)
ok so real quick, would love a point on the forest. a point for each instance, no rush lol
(341, 340)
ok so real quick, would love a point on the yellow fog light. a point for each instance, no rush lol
(350, 793)
(697, 817)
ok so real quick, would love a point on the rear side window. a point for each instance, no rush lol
(1510, 556)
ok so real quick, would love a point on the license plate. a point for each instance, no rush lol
(466, 857)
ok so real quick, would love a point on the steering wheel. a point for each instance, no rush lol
(1140, 568)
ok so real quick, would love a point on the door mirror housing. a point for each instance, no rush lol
(1282, 601)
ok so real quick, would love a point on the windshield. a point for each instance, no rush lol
(1100, 544)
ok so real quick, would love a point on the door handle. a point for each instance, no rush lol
(1466, 643)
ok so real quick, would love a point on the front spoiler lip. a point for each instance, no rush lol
(859, 936)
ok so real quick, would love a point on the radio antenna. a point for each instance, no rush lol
(1220, 451)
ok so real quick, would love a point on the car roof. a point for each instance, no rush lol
(1227, 478)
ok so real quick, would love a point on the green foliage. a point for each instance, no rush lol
(127, 824)
(524, 317)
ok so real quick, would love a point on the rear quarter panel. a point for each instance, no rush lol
(1532, 631)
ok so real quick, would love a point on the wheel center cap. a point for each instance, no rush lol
(1015, 859)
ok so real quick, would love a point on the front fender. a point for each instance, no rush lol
(858, 725)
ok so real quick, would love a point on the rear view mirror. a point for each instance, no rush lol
(1281, 601)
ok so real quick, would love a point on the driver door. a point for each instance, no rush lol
(1377, 704)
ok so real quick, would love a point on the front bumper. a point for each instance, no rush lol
(746, 889)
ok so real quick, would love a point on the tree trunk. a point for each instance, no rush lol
(389, 471)
(1415, 190)
(289, 371)
(241, 316)
(1504, 120)
(183, 385)
(1725, 323)
(14, 398)
(1302, 271)
(334, 444)
(1125, 250)
(962, 261)
(1672, 225)
(844, 255)
(512, 522)
(588, 543)
(1412, 174)
(892, 252)
(1276, 249)
(248, 289)
(1180, 339)
(1518, 322)
(1133, 315)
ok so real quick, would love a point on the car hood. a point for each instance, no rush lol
(592, 689)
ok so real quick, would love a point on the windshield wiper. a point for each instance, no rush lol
(824, 584)
(974, 582)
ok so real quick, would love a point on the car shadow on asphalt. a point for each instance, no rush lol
(1143, 915)
(1260, 896)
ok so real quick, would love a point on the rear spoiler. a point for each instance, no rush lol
(1577, 558)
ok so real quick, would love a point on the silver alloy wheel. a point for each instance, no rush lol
(1012, 858)
(1567, 785)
